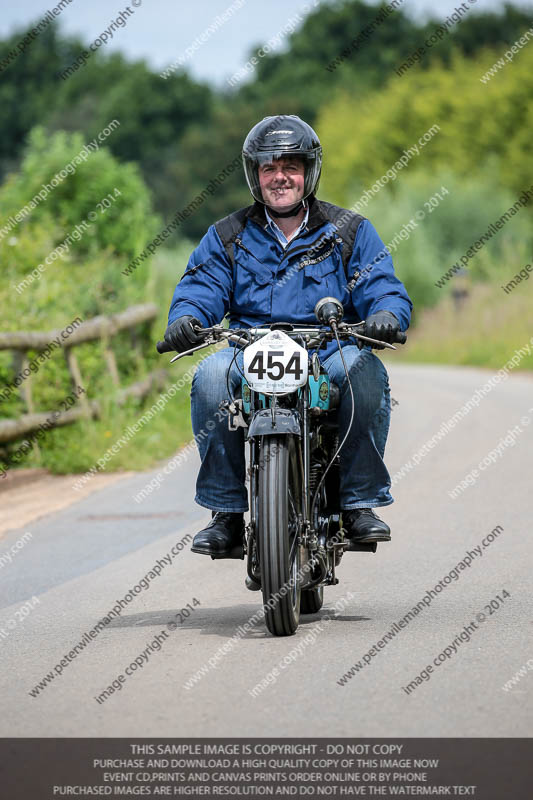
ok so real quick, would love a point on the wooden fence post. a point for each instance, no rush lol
(103, 328)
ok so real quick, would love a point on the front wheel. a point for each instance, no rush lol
(278, 522)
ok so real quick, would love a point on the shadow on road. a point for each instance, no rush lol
(217, 621)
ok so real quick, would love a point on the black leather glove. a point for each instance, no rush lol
(382, 325)
(180, 334)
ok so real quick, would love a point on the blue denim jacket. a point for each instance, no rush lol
(269, 284)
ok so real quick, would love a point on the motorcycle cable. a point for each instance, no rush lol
(339, 448)
(236, 352)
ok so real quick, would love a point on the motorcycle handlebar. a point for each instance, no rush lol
(164, 347)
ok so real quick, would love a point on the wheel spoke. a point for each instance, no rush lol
(292, 548)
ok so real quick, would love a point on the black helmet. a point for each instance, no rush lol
(277, 137)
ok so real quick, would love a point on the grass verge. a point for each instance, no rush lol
(484, 332)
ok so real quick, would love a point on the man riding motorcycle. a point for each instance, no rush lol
(272, 262)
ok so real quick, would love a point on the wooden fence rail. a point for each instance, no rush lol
(103, 328)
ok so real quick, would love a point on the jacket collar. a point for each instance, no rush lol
(317, 218)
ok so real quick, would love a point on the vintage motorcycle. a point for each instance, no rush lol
(294, 538)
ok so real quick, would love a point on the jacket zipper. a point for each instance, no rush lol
(238, 242)
(192, 270)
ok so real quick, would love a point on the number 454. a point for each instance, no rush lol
(275, 370)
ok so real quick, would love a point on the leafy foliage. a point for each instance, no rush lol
(84, 279)
(167, 125)
(433, 244)
(153, 113)
(79, 190)
(478, 122)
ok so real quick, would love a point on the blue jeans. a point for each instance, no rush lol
(364, 479)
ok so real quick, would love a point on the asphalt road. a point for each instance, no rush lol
(81, 560)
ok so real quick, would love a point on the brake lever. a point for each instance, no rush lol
(374, 341)
(216, 335)
(192, 350)
(348, 330)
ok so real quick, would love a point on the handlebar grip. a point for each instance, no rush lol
(401, 337)
(163, 347)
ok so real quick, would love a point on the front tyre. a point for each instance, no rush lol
(279, 501)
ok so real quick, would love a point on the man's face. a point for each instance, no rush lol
(282, 183)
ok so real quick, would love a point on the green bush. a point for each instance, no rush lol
(449, 229)
(477, 122)
(122, 229)
(84, 281)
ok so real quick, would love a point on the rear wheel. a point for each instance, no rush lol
(278, 522)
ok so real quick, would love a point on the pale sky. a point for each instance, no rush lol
(161, 30)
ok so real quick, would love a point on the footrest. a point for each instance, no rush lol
(237, 552)
(371, 547)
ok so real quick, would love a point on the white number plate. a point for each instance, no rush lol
(275, 364)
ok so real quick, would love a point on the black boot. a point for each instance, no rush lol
(362, 526)
(222, 538)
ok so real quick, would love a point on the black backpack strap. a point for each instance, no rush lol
(347, 223)
(228, 229)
